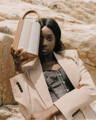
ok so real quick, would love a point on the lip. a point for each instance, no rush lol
(44, 50)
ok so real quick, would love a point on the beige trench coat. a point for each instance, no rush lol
(33, 95)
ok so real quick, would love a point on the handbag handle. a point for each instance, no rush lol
(28, 12)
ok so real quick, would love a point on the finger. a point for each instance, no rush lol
(12, 51)
(24, 57)
(32, 118)
(19, 51)
(23, 53)
(23, 60)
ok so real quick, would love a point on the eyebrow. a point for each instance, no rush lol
(49, 34)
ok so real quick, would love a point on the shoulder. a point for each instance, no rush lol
(71, 53)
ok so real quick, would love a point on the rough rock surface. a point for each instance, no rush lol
(6, 63)
(77, 20)
(10, 112)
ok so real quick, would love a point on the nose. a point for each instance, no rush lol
(45, 42)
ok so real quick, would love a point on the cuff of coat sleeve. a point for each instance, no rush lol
(66, 106)
(63, 110)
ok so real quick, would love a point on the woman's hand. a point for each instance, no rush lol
(20, 57)
(46, 114)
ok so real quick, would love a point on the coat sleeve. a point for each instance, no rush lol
(19, 95)
(79, 97)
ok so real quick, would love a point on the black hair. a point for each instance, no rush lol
(53, 25)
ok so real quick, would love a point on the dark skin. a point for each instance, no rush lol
(47, 44)
(48, 62)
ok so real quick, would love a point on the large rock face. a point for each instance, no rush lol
(10, 112)
(6, 63)
(77, 20)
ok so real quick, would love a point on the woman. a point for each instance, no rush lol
(60, 88)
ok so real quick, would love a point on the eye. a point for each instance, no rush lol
(49, 37)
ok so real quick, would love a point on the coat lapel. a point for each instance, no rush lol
(70, 68)
(37, 78)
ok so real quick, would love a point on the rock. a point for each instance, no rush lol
(77, 20)
(10, 112)
(8, 26)
(82, 38)
(7, 69)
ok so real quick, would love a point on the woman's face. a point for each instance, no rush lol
(47, 41)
